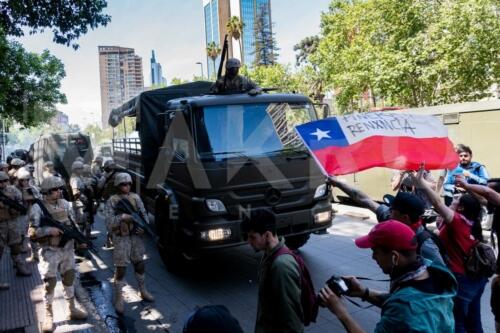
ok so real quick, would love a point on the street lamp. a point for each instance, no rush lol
(201, 65)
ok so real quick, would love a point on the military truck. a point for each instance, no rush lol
(203, 161)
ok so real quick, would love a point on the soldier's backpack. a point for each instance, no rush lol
(308, 297)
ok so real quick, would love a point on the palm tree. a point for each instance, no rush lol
(235, 29)
(213, 51)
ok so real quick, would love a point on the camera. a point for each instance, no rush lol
(338, 285)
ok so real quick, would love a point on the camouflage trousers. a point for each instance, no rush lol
(9, 234)
(55, 260)
(128, 249)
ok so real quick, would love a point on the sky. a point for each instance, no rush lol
(174, 29)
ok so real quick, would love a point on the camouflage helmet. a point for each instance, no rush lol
(109, 163)
(51, 182)
(3, 176)
(79, 158)
(76, 165)
(48, 164)
(98, 158)
(122, 177)
(17, 162)
(23, 173)
(233, 63)
(87, 169)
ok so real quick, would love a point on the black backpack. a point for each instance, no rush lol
(425, 235)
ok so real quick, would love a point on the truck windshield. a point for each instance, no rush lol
(226, 131)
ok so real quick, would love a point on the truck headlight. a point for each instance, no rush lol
(215, 234)
(215, 205)
(323, 217)
(320, 191)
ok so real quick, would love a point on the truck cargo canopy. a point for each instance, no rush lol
(146, 107)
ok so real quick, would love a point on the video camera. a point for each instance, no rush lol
(338, 285)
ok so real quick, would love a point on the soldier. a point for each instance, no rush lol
(232, 82)
(16, 163)
(29, 194)
(90, 182)
(106, 188)
(48, 170)
(54, 256)
(9, 229)
(127, 240)
(81, 200)
(4, 167)
(97, 170)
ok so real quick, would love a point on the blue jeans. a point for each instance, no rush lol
(467, 304)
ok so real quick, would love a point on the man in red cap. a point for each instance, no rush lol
(421, 294)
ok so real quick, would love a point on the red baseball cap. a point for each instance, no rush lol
(391, 234)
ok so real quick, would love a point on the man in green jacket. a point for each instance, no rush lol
(279, 309)
(421, 294)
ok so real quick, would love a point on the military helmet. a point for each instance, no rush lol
(87, 169)
(233, 63)
(122, 177)
(76, 165)
(98, 158)
(48, 164)
(17, 162)
(3, 176)
(109, 163)
(23, 173)
(79, 158)
(51, 182)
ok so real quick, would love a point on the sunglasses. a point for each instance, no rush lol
(125, 184)
(56, 189)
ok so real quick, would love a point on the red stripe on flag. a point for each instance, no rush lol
(402, 153)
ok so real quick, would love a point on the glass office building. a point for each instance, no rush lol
(211, 13)
(249, 11)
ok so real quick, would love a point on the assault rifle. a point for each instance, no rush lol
(13, 204)
(69, 232)
(139, 221)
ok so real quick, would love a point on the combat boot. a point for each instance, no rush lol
(48, 321)
(118, 298)
(74, 312)
(143, 292)
(21, 268)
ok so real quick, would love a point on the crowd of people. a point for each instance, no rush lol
(432, 285)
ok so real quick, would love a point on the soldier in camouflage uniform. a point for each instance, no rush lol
(232, 82)
(55, 258)
(9, 227)
(97, 169)
(127, 240)
(48, 171)
(80, 203)
(30, 193)
(106, 188)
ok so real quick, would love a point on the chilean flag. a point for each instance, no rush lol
(355, 142)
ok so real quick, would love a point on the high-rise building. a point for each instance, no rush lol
(156, 71)
(218, 12)
(121, 78)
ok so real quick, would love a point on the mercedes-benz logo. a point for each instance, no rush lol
(273, 196)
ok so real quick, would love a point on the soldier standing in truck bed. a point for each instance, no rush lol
(232, 82)
(127, 239)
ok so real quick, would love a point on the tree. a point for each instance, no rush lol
(213, 51)
(234, 30)
(312, 79)
(29, 84)
(176, 80)
(68, 19)
(265, 47)
(273, 76)
(410, 53)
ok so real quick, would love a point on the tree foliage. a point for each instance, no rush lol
(410, 52)
(29, 84)
(273, 76)
(235, 29)
(265, 46)
(68, 19)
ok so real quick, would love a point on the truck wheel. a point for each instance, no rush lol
(169, 250)
(296, 241)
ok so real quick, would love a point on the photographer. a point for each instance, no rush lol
(420, 297)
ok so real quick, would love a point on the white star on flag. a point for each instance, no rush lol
(321, 134)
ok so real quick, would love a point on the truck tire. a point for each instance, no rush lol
(296, 241)
(168, 246)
